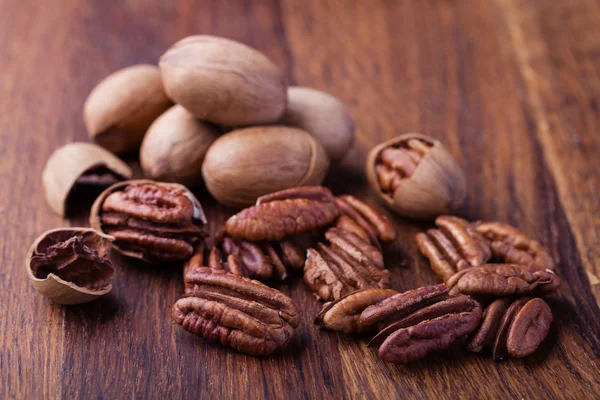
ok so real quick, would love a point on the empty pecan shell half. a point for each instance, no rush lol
(71, 265)
(454, 246)
(504, 280)
(362, 219)
(284, 213)
(151, 221)
(237, 312)
(346, 264)
(343, 314)
(420, 321)
(512, 328)
(509, 245)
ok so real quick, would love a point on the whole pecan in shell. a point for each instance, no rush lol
(419, 322)
(347, 264)
(284, 213)
(513, 328)
(343, 314)
(504, 280)
(456, 245)
(237, 312)
(509, 245)
(151, 221)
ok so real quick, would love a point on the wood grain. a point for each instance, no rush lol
(511, 87)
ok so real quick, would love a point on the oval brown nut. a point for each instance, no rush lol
(237, 312)
(415, 176)
(245, 164)
(343, 314)
(323, 116)
(79, 164)
(71, 265)
(174, 147)
(223, 81)
(503, 280)
(150, 221)
(122, 106)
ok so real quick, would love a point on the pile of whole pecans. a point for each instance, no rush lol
(223, 90)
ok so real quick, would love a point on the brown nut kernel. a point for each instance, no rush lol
(456, 245)
(419, 322)
(416, 177)
(245, 164)
(323, 116)
(151, 221)
(71, 265)
(223, 81)
(503, 280)
(121, 107)
(78, 164)
(347, 264)
(513, 328)
(284, 213)
(509, 245)
(237, 312)
(343, 314)
(174, 147)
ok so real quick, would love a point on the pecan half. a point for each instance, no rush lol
(343, 314)
(284, 213)
(513, 328)
(509, 245)
(237, 312)
(347, 264)
(504, 280)
(456, 245)
(397, 163)
(151, 221)
(420, 321)
(362, 219)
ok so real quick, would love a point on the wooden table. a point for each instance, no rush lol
(511, 87)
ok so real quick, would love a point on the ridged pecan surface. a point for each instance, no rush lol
(362, 219)
(237, 312)
(280, 214)
(454, 246)
(509, 245)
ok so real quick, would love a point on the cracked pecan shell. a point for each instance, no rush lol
(237, 312)
(504, 280)
(454, 246)
(346, 264)
(343, 314)
(71, 265)
(512, 328)
(509, 245)
(284, 213)
(420, 321)
(151, 221)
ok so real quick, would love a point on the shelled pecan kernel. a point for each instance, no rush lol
(151, 221)
(454, 246)
(509, 245)
(237, 312)
(512, 328)
(284, 213)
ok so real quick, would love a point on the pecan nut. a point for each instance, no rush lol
(504, 280)
(512, 328)
(237, 312)
(284, 213)
(151, 221)
(362, 219)
(456, 245)
(509, 245)
(347, 264)
(343, 314)
(420, 321)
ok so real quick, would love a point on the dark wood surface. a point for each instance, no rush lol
(512, 87)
